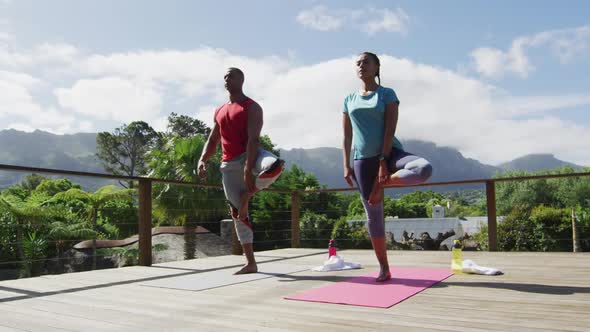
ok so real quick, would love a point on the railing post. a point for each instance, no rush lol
(295, 210)
(145, 222)
(492, 223)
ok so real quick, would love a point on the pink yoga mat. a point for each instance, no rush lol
(365, 291)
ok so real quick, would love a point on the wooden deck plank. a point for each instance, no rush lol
(539, 292)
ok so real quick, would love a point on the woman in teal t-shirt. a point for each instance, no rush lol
(369, 123)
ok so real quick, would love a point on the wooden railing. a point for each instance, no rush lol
(145, 200)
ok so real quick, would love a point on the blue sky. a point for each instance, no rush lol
(496, 80)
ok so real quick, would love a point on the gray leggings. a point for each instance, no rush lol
(232, 173)
(411, 169)
(233, 185)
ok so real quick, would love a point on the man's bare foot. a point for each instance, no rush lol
(384, 275)
(376, 194)
(248, 268)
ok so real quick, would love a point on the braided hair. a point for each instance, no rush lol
(376, 59)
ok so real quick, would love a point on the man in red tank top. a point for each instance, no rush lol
(237, 125)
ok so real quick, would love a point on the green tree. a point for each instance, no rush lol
(572, 191)
(188, 206)
(552, 228)
(583, 226)
(25, 219)
(124, 151)
(51, 187)
(271, 211)
(516, 233)
(538, 211)
(68, 230)
(357, 210)
(120, 213)
(94, 203)
(459, 210)
(391, 208)
(529, 194)
(267, 144)
(421, 197)
(315, 229)
(30, 182)
(350, 235)
(54, 225)
(184, 126)
(16, 191)
(35, 249)
(540, 229)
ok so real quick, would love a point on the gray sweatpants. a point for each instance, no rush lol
(232, 173)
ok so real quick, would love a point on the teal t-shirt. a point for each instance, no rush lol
(367, 116)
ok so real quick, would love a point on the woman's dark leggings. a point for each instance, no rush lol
(409, 168)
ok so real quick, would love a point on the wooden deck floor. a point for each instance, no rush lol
(539, 292)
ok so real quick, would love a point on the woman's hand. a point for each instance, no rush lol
(349, 175)
(383, 173)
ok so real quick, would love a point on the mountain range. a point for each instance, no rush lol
(76, 152)
(448, 163)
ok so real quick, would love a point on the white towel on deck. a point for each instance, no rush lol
(469, 266)
(336, 263)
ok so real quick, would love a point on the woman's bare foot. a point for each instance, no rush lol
(248, 268)
(384, 274)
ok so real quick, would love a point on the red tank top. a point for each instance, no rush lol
(233, 127)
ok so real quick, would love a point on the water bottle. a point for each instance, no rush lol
(331, 249)
(457, 261)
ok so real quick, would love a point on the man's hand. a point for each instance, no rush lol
(349, 175)
(383, 173)
(202, 169)
(249, 181)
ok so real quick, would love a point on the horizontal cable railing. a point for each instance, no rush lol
(288, 225)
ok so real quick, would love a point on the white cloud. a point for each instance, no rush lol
(494, 63)
(15, 98)
(59, 130)
(368, 20)
(302, 103)
(320, 18)
(206, 113)
(44, 54)
(57, 121)
(20, 109)
(160, 123)
(480, 120)
(569, 48)
(19, 78)
(566, 44)
(521, 106)
(9, 57)
(63, 53)
(197, 72)
(6, 37)
(387, 21)
(112, 98)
